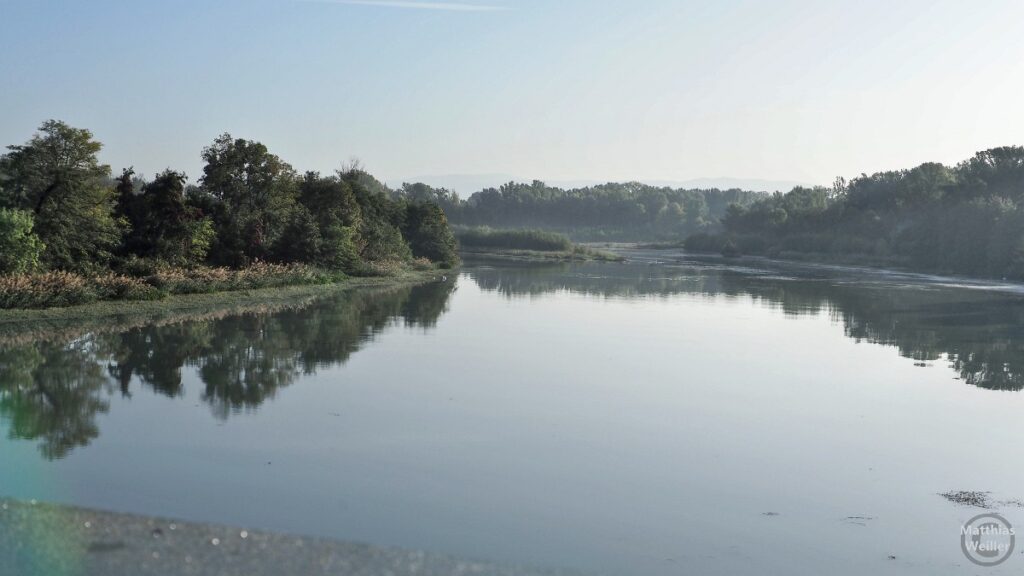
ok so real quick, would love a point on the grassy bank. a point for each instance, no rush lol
(62, 289)
(28, 325)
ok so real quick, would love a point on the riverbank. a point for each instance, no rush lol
(25, 325)
(38, 539)
(62, 289)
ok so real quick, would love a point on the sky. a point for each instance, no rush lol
(558, 90)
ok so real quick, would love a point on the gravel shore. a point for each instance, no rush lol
(38, 539)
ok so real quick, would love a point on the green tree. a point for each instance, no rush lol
(57, 177)
(257, 191)
(428, 233)
(338, 218)
(300, 241)
(380, 237)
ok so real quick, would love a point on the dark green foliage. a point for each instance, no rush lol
(57, 178)
(162, 226)
(968, 219)
(429, 235)
(256, 192)
(514, 240)
(127, 207)
(380, 236)
(338, 217)
(300, 241)
(382, 241)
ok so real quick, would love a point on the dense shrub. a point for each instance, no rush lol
(300, 240)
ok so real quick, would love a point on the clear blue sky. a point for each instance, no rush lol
(570, 89)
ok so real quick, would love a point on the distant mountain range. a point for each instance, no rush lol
(467, 184)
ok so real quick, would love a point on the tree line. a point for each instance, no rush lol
(964, 219)
(60, 209)
(613, 211)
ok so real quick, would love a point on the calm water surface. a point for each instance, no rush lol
(659, 417)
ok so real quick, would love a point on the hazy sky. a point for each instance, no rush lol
(559, 89)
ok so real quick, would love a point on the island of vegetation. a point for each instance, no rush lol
(71, 234)
(530, 245)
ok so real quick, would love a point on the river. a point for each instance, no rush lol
(663, 416)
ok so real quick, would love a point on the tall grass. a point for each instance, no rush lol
(514, 239)
(57, 289)
(259, 275)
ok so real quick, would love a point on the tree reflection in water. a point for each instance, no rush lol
(52, 391)
(979, 332)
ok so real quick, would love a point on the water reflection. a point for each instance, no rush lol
(980, 333)
(52, 391)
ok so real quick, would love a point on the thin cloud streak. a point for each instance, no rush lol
(449, 6)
